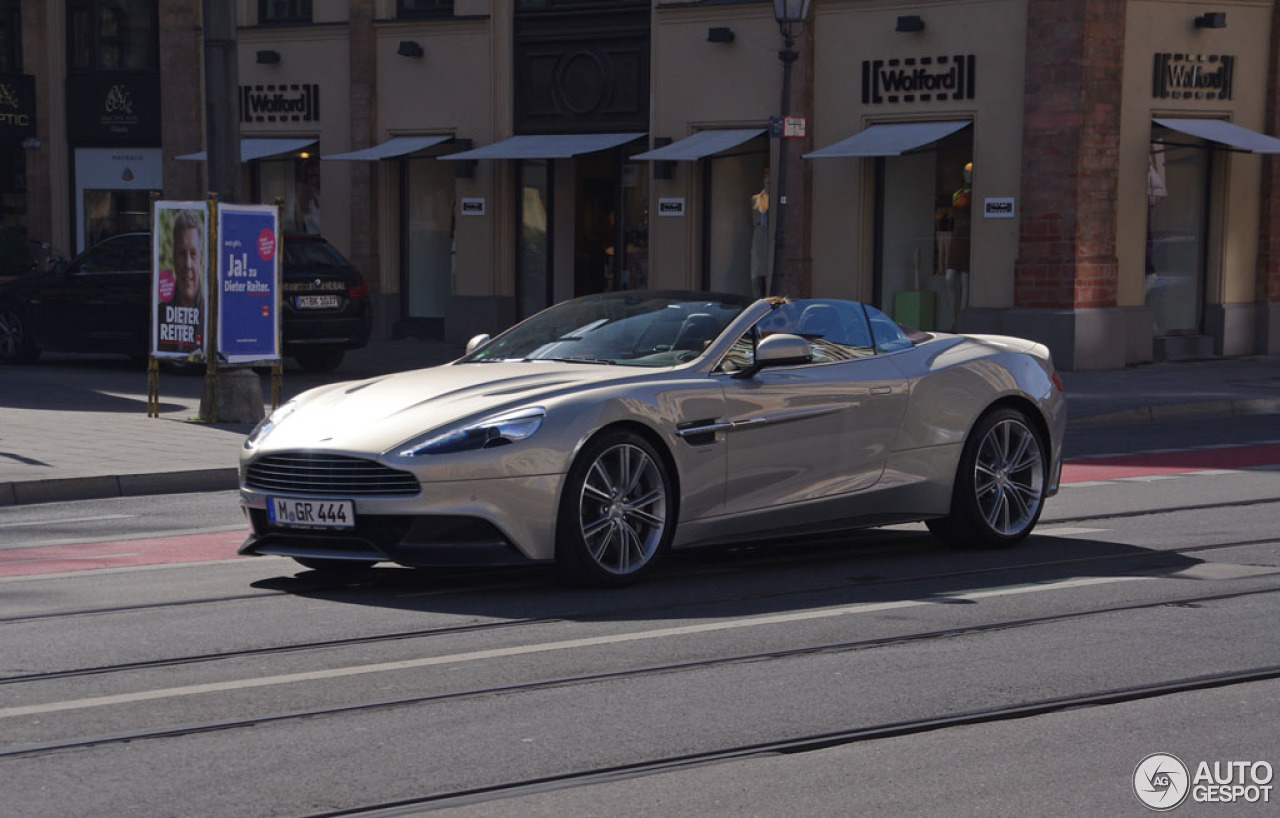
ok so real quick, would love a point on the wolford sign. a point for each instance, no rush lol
(280, 103)
(1193, 76)
(923, 79)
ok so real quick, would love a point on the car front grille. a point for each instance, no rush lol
(328, 475)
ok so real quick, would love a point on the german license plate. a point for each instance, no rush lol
(311, 513)
(318, 302)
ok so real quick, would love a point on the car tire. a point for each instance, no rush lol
(617, 512)
(331, 566)
(16, 343)
(1000, 484)
(325, 359)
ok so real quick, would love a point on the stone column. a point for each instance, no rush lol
(1267, 288)
(182, 130)
(1066, 272)
(38, 61)
(364, 175)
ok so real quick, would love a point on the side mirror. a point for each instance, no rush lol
(478, 341)
(778, 350)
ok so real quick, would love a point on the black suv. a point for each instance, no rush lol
(100, 302)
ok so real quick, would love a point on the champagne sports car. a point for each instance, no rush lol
(608, 429)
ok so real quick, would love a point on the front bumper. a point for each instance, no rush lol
(501, 521)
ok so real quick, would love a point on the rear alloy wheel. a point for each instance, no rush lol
(331, 566)
(1000, 485)
(16, 346)
(323, 359)
(617, 515)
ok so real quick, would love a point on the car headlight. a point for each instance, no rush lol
(268, 423)
(498, 430)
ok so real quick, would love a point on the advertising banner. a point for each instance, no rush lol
(178, 276)
(248, 283)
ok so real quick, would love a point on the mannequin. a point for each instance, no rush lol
(943, 223)
(760, 239)
(957, 273)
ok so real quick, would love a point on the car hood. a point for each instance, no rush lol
(378, 414)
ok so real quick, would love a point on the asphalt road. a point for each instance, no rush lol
(871, 674)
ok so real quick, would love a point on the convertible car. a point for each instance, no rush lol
(608, 429)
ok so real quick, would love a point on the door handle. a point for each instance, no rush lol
(881, 390)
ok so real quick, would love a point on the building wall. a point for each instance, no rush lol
(845, 34)
(317, 55)
(739, 85)
(1160, 27)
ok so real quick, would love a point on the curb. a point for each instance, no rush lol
(1181, 411)
(67, 489)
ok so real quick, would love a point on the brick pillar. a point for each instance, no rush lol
(1070, 160)
(1267, 288)
(364, 182)
(182, 129)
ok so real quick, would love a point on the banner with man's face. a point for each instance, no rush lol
(179, 251)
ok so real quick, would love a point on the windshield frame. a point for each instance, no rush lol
(627, 328)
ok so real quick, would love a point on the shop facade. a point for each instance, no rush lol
(479, 160)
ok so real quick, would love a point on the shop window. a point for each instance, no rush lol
(533, 249)
(633, 266)
(424, 8)
(112, 35)
(1177, 231)
(736, 225)
(295, 183)
(284, 11)
(10, 35)
(428, 237)
(924, 218)
(112, 212)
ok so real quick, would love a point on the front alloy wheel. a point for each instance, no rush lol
(1000, 486)
(616, 511)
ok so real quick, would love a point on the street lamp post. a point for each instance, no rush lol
(791, 16)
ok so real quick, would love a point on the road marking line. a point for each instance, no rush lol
(71, 520)
(69, 559)
(547, 647)
(1065, 531)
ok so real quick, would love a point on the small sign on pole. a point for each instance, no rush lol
(794, 127)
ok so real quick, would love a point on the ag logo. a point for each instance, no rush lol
(7, 97)
(1161, 782)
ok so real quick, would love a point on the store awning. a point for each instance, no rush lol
(547, 146)
(701, 144)
(890, 139)
(1224, 133)
(251, 149)
(393, 147)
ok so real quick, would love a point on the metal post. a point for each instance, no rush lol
(222, 115)
(778, 285)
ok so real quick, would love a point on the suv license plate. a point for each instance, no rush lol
(318, 302)
(311, 513)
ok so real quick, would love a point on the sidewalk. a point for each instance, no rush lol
(76, 429)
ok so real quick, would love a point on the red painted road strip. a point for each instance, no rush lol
(55, 559)
(1191, 460)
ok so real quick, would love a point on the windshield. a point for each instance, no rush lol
(311, 254)
(631, 328)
